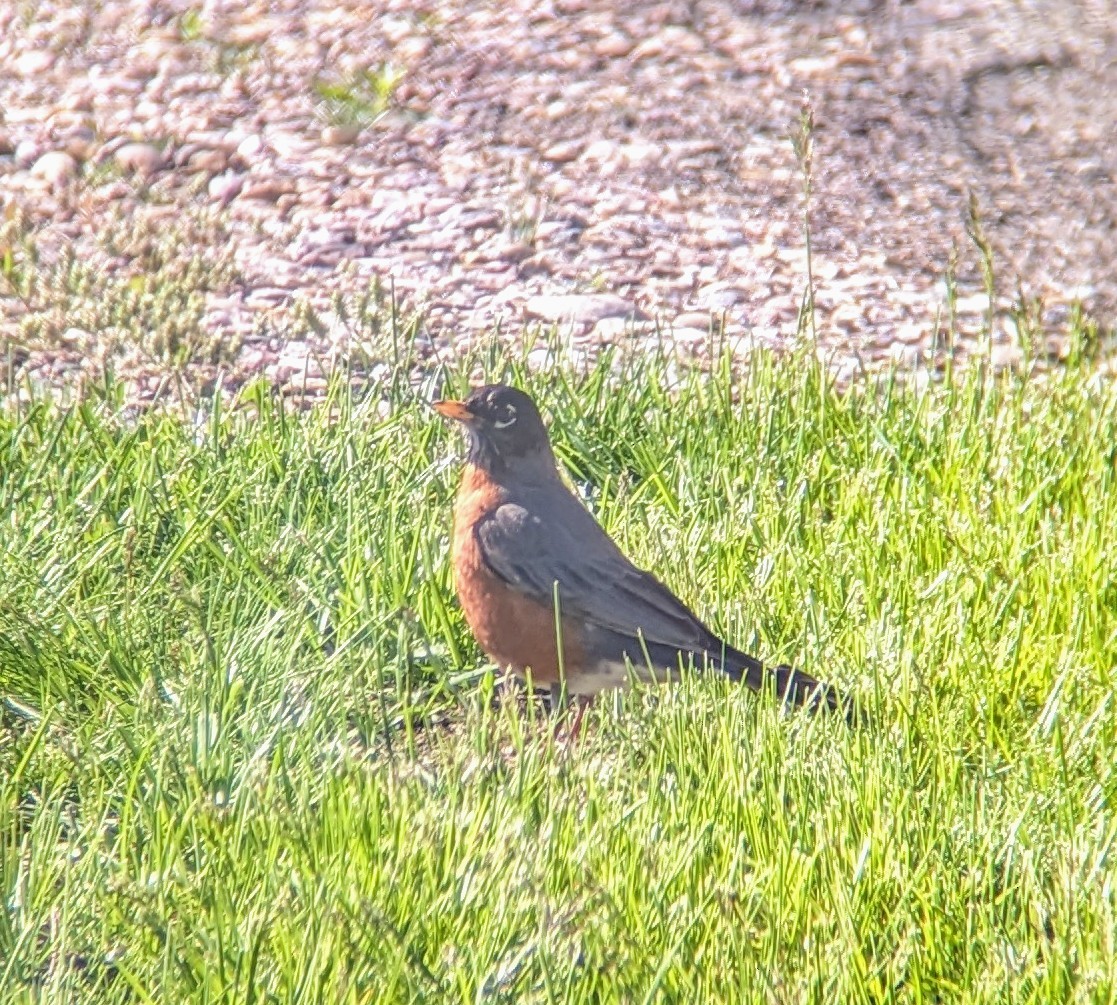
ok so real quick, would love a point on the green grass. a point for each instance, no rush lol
(361, 99)
(147, 313)
(249, 753)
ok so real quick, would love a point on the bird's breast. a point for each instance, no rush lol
(516, 632)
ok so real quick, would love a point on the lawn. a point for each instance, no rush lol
(249, 752)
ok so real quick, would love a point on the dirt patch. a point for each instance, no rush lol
(488, 160)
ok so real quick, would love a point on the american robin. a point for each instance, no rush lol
(546, 590)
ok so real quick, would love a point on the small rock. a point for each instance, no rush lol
(910, 332)
(1057, 348)
(513, 251)
(339, 136)
(74, 338)
(635, 152)
(670, 197)
(33, 62)
(976, 303)
(1056, 315)
(582, 307)
(613, 46)
(563, 151)
(27, 152)
(6, 144)
(208, 160)
(905, 355)
(250, 146)
(825, 270)
(296, 359)
(692, 319)
(601, 150)
(254, 31)
(720, 296)
(80, 143)
(552, 230)
(266, 297)
(139, 158)
(848, 314)
(1010, 328)
(412, 49)
(673, 40)
(291, 144)
(56, 167)
(609, 329)
(254, 359)
(268, 189)
(76, 101)
(541, 358)
(812, 66)
(844, 369)
(225, 187)
(303, 385)
(1005, 356)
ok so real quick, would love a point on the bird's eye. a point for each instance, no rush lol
(508, 418)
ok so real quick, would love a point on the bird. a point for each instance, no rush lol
(546, 591)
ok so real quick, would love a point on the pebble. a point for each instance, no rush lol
(720, 296)
(563, 152)
(249, 147)
(844, 368)
(139, 158)
(255, 358)
(80, 143)
(295, 359)
(254, 31)
(608, 330)
(413, 49)
(1005, 356)
(210, 161)
(1056, 347)
(911, 333)
(613, 46)
(690, 336)
(905, 356)
(56, 167)
(26, 153)
(75, 337)
(337, 136)
(692, 319)
(267, 297)
(587, 308)
(225, 187)
(268, 189)
(34, 62)
(976, 303)
(512, 251)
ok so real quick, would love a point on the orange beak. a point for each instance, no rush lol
(453, 410)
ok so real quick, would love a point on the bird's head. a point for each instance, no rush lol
(503, 425)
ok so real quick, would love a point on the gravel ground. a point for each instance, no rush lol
(611, 167)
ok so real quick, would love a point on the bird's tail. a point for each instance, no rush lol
(793, 686)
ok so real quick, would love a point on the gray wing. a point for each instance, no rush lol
(625, 611)
(596, 583)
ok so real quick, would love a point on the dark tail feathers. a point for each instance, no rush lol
(793, 686)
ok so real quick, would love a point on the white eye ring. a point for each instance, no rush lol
(505, 423)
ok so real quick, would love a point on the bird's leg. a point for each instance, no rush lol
(561, 700)
(581, 702)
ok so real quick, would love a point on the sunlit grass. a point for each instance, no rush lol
(248, 750)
